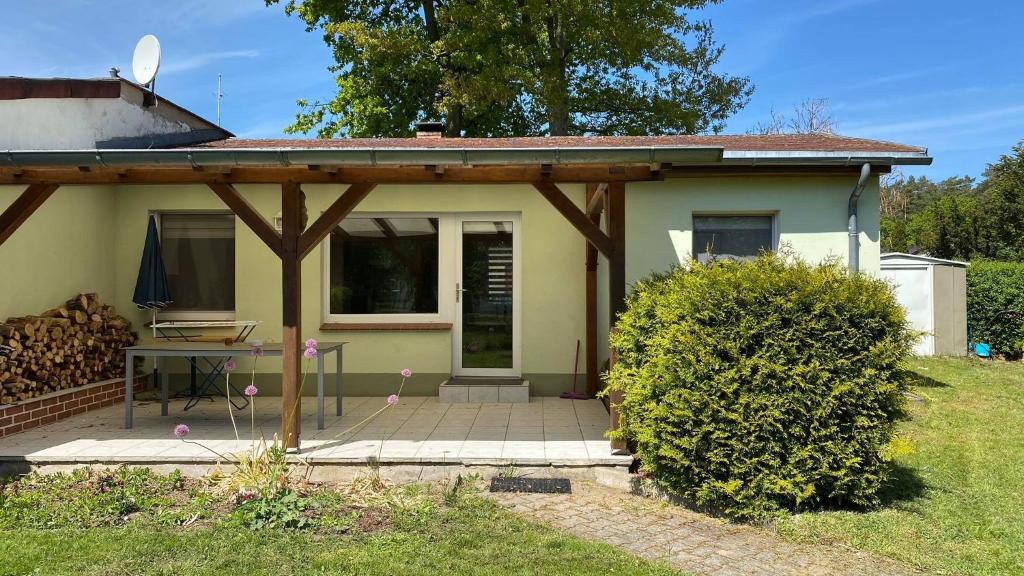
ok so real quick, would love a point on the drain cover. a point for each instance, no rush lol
(534, 485)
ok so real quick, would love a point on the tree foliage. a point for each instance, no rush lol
(959, 218)
(518, 67)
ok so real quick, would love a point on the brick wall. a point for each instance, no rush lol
(60, 405)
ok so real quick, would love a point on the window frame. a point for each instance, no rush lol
(199, 315)
(445, 276)
(772, 214)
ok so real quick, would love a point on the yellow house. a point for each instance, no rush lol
(465, 258)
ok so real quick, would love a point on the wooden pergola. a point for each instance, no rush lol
(605, 193)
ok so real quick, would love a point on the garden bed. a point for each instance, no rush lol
(133, 521)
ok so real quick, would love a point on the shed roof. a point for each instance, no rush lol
(897, 258)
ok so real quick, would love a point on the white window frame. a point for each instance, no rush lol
(445, 276)
(517, 295)
(774, 215)
(199, 315)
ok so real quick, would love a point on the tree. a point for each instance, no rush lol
(812, 116)
(519, 67)
(1002, 217)
(956, 218)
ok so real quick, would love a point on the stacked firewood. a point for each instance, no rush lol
(71, 345)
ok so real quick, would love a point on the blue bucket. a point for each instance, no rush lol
(982, 350)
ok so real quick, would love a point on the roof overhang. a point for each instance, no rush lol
(393, 156)
(217, 157)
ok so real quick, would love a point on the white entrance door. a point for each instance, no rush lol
(486, 335)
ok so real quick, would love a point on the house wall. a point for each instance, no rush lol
(90, 239)
(810, 212)
(62, 250)
(79, 123)
(552, 287)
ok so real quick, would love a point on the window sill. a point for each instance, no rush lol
(386, 327)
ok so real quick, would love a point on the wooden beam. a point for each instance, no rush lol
(575, 216)
(595, 201)
(616, 286)
(23, 207)
(331, 217)
(593, 376)
(292, 202)
(252, 218)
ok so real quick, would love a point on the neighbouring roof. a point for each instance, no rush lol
(898, 258)
(201, 130)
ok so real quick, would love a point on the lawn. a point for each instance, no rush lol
(956, 504)
(438, 536)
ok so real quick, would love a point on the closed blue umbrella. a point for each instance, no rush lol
(151, 289)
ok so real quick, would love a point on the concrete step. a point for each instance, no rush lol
(488, 390)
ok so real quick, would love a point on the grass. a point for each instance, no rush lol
(956, 502)
(459, 533)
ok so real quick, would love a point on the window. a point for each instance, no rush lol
(732, 237)
(199, 254)
(384, 266)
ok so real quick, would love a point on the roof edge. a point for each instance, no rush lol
(390, 156)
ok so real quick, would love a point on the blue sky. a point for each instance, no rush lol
(923, 72)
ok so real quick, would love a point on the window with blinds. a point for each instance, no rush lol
(732, 237)
(199, 254)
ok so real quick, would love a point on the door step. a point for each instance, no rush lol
(489, 390)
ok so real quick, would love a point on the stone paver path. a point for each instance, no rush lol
(688, 540)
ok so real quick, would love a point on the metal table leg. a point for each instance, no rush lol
(320, 391)
(164, 384)
(129, 388)
(338, 355)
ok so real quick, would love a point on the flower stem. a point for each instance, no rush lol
(231, 414)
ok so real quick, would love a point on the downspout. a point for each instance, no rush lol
(853, 228)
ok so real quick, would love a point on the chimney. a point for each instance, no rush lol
(429, 129)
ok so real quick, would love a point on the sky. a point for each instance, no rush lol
(924, 72)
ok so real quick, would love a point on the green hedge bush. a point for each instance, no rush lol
(992, 288)
(756, 387)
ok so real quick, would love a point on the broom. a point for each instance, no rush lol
(574, 395)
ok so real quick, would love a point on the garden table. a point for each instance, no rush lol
(222, 350)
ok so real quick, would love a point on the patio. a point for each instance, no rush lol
(421, 430)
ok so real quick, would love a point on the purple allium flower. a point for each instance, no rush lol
(311, 343)
(393, 399)
(251, 390)
(229, 366)
(406, 373)
(310, 353)
(181, 430)
(257, 351)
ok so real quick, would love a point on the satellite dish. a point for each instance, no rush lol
(146, 60)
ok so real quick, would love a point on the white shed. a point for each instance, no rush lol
(934, 292)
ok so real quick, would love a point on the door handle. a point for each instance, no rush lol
(458, 292)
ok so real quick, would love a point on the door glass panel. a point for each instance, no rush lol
(486, 296)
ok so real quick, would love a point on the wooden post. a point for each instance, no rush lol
(616, 283)
(292, 205)
(591, 304)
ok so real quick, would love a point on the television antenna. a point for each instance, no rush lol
(220, 96)
(146, 62)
